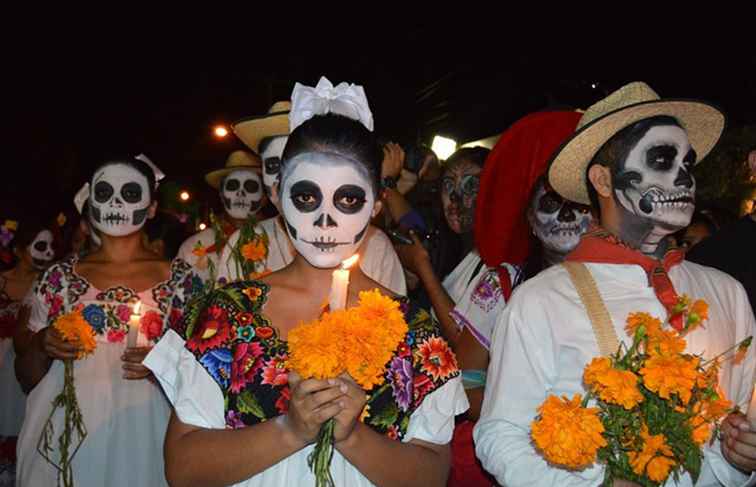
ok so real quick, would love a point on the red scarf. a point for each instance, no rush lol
(600, 246)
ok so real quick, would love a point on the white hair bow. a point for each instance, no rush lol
(159, 175)
(344, 99)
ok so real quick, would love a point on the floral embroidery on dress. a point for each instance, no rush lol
(241, 350)
(118, 294)
(487, 291)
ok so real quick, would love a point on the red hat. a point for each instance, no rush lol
(521, 155)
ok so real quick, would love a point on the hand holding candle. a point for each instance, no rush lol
(134, 323)
(340, 284)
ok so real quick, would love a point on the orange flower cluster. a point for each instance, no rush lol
(76, 330)
(567, 433)
(254, 250)
(612, 385)
(359, 341)
(655, 460)
(680, 389)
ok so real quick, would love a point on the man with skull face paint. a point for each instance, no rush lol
(33, 247)
(267, 135)
(632, 153)
(124, 413)
(241, 192)
(329, 187)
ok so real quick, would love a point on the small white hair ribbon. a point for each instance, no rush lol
(159, 175)
(344, 99)
(81, 197)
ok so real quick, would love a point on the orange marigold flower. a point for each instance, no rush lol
(636, 320)
(701, 430)
(666, 375)
(655, 460)
(199, 251)
(76, 330)
(254, 250)
(612, 385)
(437, 358)
(313, 350)
(666, 342)
(566, 433)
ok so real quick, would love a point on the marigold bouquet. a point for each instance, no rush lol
(359, 341)
(76, 330)
(655, 405)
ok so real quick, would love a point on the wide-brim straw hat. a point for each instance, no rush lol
(636, 101)
(253, 130)
(239, 159)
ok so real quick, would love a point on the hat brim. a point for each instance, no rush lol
(214, 178)
(703, 122)
(253, 130)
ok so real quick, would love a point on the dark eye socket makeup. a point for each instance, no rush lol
(306, 196)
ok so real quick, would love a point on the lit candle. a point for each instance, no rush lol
(134, 322)
(751, 414)
(340, 284)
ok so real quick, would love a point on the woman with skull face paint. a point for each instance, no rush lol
(124, 413)
(32, 245)
(329, 186)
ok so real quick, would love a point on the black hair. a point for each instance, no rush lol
(167, 228)
(142, 167)
(339, 135)
(476, 155)
(614, 152)
(27, 231)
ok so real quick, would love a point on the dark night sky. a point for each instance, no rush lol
(72, 100)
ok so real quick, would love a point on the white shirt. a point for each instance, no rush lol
(378, 258)
(544, 339)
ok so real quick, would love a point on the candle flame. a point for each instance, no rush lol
(137, 306)
(350, 261)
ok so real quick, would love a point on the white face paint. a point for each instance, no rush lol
(327, 202)
(119, 200)
(271, 158)
(41, 249)
(557, 223)
(655, 182)
(241, 193)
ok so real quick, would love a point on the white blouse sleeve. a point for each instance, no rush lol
(433, 421)
(195, 396)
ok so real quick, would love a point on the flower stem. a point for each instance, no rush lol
(320, 458)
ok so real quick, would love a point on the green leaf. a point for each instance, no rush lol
(248, 404)
(386, 417)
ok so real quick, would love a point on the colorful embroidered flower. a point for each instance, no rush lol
(254, 251)
(567, 433)
(116, 335)
(244, 318)
(234, 420)
(245, 333)
(56, 305)
(392, 432)
(247, 362)
(437, 358)
(400, 376)
(274, 371)
(123, 313)
(95, 316)
(54, 278)
(421, 386)
(218, 364)
(151, 325)
(252, 293)
(213, 330)
(282, 404)
(264, 332)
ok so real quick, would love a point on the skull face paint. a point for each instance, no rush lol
(41, 250)
(655, 181)
(241, 193)
(556, 222)
(119, 199)
(327, 202)
(271, 158)
(459, 189)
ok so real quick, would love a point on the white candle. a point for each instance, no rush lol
(340, 284)
(751, 414)
(134, 323)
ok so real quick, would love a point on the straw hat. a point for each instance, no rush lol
(238, 159)
(253, 130)
(702, 121)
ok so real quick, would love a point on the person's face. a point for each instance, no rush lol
(271, 158)
(655, 182)
(694, 233)
(41, 250)
(119, 200)
(327, 203)
(459, 190)
(241, 193)
(556, 222)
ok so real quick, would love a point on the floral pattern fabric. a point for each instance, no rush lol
(233, 341)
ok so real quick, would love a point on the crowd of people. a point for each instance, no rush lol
(480, 251)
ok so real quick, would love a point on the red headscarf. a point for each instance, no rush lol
(521, 155)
